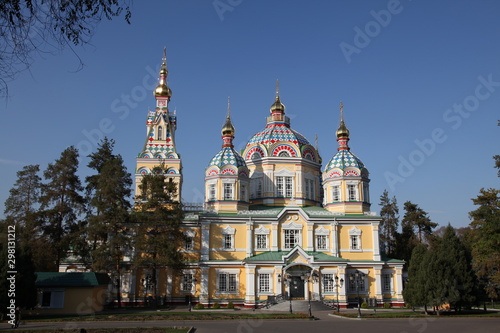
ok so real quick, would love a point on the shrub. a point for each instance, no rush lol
(199, 306)
(364, 305)
(230, 305)
(387, 305)
(216, 306)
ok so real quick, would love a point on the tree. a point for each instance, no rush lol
(415, 292)
(485, 240)
(29, 27)
(61, 204)
(23, 202)
(389, 224)
(108, 192)
(158, 218)
(418, 220)
(451, 278)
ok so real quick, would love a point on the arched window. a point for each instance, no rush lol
(284, 153)
(160, 133)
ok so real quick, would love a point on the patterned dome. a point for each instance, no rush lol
(344, 159)
(227, 156)
(277, 132)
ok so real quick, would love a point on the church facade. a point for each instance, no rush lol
(274, 222)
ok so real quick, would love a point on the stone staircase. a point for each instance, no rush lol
(298, 306)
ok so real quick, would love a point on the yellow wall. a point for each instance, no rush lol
(80, 301)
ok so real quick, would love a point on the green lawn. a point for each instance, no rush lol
(411, 314)
(112, 330)
(195, 315)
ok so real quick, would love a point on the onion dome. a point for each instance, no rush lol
(162, 90)
(344, 158)
(227, 156)
(277, 106)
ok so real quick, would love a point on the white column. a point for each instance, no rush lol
(376, 245)
(250, 285)
(249, 238)
(204, 272)
(378, 282)
(315, 292)
(279, 281)
(335, 244)
(310, 237)
(343, 289)
(274, 236)
(169, 286)
(205, 240)
(399, 282)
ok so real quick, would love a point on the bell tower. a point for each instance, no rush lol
(159, 148)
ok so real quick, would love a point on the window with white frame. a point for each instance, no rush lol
(228, 238)
(212, 192)
(321, 242)
(264, 283)
(256, 188)
(336, 193)
(284, 186)
(227, 242)
(355, 238)
(352, 192)
(261, 241)
(187, 282)
(387, 282)
(291, 238)
(228, 191)
(227, 282)
(328, 283)
(355, 242)
(309, 188)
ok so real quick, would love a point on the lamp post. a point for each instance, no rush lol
(312, 278)
(358, 279)
(337, 285)
(193, 283)
(288, 279)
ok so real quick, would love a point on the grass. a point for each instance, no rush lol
(412, 314)
(195, 315)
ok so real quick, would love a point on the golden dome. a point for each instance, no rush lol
(277, 106)
(228, 128)
(162, 89)
(342, 131)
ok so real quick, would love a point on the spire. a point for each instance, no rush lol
(342, 131)
(228, 128)
(162, 90)
(277, 107)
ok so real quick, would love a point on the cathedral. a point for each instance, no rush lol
(275, 222)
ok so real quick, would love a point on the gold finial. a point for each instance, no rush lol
(162, 89)
(277, 105)
(228, 128)
(342, 131)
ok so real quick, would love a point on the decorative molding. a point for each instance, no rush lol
(292, 225)
(322, 231)
(228, 230)
(355, 231)
(262, 231)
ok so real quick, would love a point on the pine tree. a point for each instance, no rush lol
(450, 271)
(485, 240)
(416, 218)
(108, 192)
(158, 219)
(61, 204)
(389, 224)
(415, 292)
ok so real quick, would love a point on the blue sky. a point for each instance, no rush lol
(420, 83)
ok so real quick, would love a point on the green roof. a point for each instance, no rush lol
(55, 279)
(278, 256)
